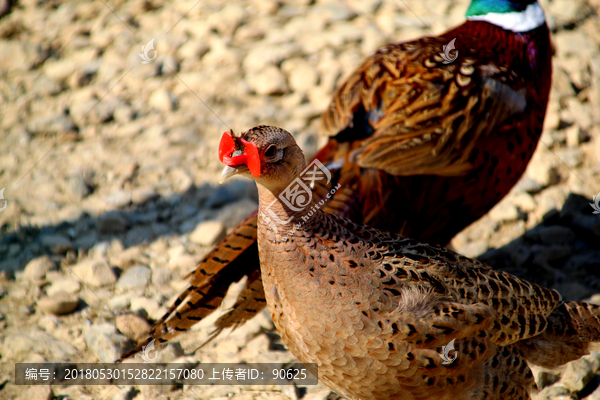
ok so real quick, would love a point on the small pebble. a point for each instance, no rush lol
(135, 277)
(59, 304)
(208, 233)
(48, 323)
(65, 285)
(94, 272)
(37, 392)
(142, 195)
(25, 310)
(170, 352)
(105, 342)
(505, 211)
(577, 374)
(126, 393)
(37, 268)
(132, 326)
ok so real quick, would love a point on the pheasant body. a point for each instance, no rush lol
(373, 310)
(373, 337)
(488, 105)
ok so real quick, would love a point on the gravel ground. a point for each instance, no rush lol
(110, 171)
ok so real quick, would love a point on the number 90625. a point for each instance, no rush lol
(289, 374)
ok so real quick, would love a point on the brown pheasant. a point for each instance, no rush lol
(420, 147)
(373, 310)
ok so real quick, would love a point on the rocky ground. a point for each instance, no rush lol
(110, 169)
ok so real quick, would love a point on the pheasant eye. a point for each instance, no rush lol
(271, 151)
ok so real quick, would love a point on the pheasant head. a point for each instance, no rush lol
(267, 154)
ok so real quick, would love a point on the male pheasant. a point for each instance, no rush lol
(421, 146)
(373, 310)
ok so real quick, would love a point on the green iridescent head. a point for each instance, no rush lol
(511, 15)
(482, 7)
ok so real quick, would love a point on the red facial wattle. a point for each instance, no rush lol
(250, 157)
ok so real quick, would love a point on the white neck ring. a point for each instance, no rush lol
(522, 21)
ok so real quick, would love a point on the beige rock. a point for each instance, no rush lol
(577, 374)
(60, 70)
(104, 342)
(365, 6)
(37, 392)
(265, 54)
(151, 306)
(132, 326)
(504, 211)
(301, 75)
(322, 393)
(48, 323)
(269, 81)
(574, 135)
(59, 304)
(163, 100)
(65, 285)
(524, 201)
(552, 119)
(319, 97)
(595, 394)
(192, 49)
(227, 20)
(580, 113)
(208, 233)
(542, 168)
(473, 249)
(38, 267)
(94, 272)
(16, 55)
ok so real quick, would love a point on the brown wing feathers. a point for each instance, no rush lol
(401, 113)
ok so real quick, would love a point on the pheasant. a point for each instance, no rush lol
(420, 146)
(373, 310)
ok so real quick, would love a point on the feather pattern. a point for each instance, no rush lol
(374, 310)
(420, 148)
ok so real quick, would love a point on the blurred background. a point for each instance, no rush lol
(110, 117)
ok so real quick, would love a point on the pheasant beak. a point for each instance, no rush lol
(237, 160)
(228, 172)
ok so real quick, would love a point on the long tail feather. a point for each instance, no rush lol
(572, 328)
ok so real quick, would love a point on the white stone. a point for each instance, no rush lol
(38, 267)
(135, 277)
(105, 342)
(59, 304)
(94, 272)
(132, 326)
(301, 75)
(66, 285)
(208, 233)
(505, 211)
(162, 100)
(269, 81)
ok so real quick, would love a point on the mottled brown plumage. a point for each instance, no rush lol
(420, 147)
(374, 309)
